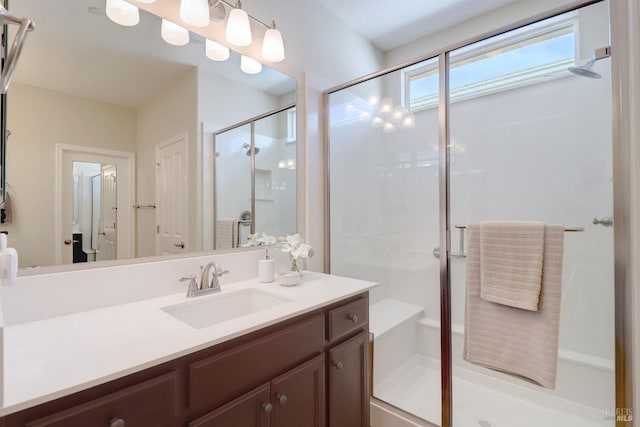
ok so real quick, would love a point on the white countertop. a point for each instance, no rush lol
(51, 358)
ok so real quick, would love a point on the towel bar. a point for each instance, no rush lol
(462, 253)
(144, 206)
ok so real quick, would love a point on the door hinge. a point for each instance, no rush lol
(157, 229)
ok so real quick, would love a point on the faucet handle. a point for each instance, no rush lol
(193, 285)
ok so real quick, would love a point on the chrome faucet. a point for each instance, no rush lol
(206, 286)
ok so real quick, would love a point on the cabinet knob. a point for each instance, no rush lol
(338, 365)
(281, 398)
(353, 318)
(117, 422)
(267, 408)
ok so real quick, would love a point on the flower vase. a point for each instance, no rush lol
(291, 277)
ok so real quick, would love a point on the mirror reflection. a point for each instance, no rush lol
(143, 113)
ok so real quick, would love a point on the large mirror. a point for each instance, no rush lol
(111, 153)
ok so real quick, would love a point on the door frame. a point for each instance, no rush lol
(126, 162)
(182, 136)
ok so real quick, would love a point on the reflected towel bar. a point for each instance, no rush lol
(566, 229)
(144, 206)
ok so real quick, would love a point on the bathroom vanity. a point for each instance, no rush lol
(302, 362)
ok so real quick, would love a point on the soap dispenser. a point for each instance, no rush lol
(266, 268)
(8, 262)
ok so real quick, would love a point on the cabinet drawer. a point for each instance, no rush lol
(348, 318)
(151, 403)
(225, 376)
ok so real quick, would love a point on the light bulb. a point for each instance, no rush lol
(291, 164)
(409, 121)
(377, 122)
(123, 13)
(195, 12)
(364, 116)
(373, 100)
(388, 127)
(216, 51)
(173, 33)
(282, 164)
(238, 28)
(250, 65)
(272, 45)
(386, 105)
(397, 115)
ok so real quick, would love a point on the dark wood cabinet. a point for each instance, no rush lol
(349, 383)
(250, 410)
(298, 397)
(294, 399)
(153, 402)
(309, 371)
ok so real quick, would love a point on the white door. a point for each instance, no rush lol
(172, 196)
(66, 155)
(107, 237)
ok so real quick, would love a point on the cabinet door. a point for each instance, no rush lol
(249, 410)
(349, 383)
(298, 397)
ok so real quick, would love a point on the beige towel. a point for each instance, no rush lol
(519, 342)
(511, 263)
(226, 233)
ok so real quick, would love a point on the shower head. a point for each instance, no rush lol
(586, 70)
(247, 147)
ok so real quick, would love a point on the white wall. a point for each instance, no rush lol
(39, 119)
(168, 113)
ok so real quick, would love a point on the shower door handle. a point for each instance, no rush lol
(605, 221)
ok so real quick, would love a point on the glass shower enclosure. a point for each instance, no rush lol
(512, 128)
(255, 178)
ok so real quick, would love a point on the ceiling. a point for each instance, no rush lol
(76, 49)
(390, 24)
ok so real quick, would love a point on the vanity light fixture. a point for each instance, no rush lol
(122, 12)
(272, 45)
(250, 65)
(174, 34)
(238, 27)
(215, 51)
(195, 12)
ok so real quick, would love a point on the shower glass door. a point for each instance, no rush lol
(232, 186)
(530, 141)
(275, 174)
(384, 214)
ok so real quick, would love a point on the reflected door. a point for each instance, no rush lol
(107, 246)
(171, 197)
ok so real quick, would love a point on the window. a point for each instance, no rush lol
(529, 55)
(291, 125)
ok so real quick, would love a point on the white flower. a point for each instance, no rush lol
(263, 240)
(296, 247)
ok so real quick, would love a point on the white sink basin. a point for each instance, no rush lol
(208, 310)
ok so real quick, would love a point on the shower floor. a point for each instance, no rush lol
(415, 388)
